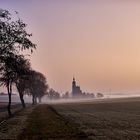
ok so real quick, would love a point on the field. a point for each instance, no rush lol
(112, 119)
(117, 119)
(39, 122)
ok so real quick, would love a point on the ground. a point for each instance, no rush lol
(102, 120)
(107, 120)
(40, 122)
(44, 123)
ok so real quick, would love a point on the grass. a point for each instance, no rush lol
(12, 127)
(15, 108)
(117, 120)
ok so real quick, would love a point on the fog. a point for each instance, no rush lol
(28, 99)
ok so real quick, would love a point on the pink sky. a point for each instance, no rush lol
(97, 41)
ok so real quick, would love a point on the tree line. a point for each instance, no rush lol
(15, 68)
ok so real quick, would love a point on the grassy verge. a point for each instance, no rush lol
(15, 108)
(12, 127)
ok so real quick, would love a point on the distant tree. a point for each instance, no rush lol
(66, 95)
(99, 95)
(92, 95)
(37, 86)
(52, 94)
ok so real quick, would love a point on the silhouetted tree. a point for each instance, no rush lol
(66, 95)
(99, 95)
(37, 86)
(52, 94)
(13, 39)
(22, 77)
(13, 34)
(8, 75)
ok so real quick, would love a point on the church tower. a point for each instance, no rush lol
(75, 89)
(73, 85)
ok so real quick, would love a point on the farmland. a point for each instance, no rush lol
(112, 120)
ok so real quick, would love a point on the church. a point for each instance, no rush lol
(76, 91)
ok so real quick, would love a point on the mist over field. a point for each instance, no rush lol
(45, 99)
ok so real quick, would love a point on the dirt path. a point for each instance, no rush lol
(44, 123)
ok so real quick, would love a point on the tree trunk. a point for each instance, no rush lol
(21, 96)
(33, 99)
(22, 100)
(9, 89)
(39, 99)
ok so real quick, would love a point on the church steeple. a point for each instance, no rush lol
(73, 83)
(73, 79)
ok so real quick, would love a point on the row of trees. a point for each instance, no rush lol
(15, 68)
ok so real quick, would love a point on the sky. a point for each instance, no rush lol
(95, 41)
